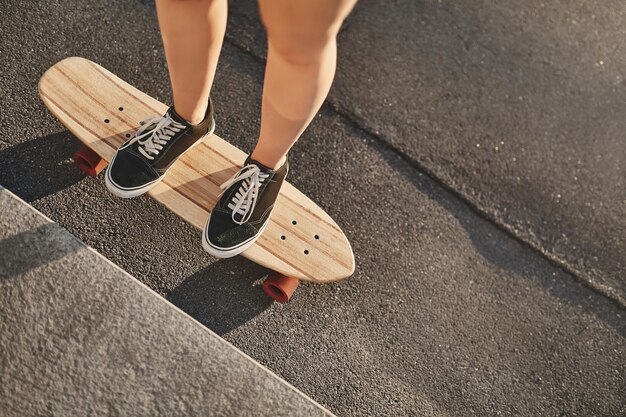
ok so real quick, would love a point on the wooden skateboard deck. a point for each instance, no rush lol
(100, 109)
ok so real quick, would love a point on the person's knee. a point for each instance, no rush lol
(301, 48)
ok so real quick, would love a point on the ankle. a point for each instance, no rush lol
(268, 161)
(193, 116)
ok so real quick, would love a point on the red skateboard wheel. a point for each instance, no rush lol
(88, 161)
(280, 287)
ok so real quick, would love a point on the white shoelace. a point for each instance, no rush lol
(245, 198)
(154, 133)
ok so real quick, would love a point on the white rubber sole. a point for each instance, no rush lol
(123, 192)
(232, 251)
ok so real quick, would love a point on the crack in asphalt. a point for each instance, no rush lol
(596, 287)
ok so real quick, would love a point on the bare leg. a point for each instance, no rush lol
(301, 60)
(192, 32)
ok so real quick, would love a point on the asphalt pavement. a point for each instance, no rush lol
(463, 301)
(515, 107)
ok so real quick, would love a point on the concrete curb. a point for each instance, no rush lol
(79, 336)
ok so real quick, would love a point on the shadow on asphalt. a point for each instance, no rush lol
(224, 295)
(42, 238)
(227, 293)
(40, 167)
(503, 252)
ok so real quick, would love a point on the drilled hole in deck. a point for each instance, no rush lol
(120, 108)
(317, 237)
(128, 135)
(306, 251)
(106, 120)
(294, 222)
(283, 237)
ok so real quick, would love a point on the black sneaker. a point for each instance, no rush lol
(141, 162)
(243, 210)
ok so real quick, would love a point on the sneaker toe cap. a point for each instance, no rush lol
(222, 232)
(128, 171)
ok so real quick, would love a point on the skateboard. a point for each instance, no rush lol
(301, 242)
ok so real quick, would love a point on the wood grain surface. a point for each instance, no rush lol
(102, 110)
